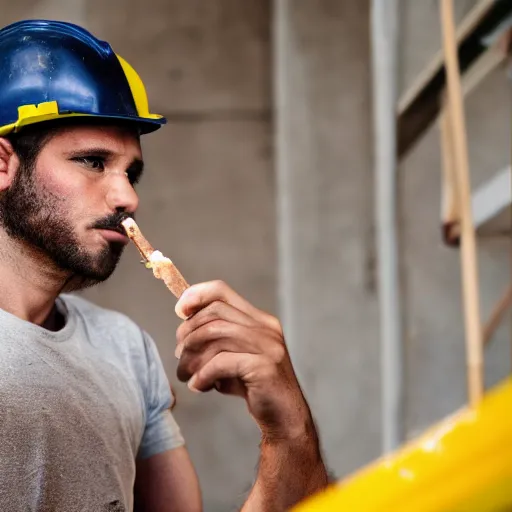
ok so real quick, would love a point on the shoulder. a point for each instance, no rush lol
(121, 339)
(106, 321)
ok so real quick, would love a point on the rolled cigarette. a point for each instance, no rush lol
(163, 268)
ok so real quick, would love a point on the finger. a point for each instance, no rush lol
(233, 387)
(201, 295)
(225, 365)
(215, 311)
(206, 342)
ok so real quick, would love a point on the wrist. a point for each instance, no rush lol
(290, 470)
(299, 446)
(303, 449)
(298, 429)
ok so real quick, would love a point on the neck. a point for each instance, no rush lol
(30, 283)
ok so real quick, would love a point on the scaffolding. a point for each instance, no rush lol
(438, 472)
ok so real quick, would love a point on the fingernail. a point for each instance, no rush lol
(178, 308)
(191, 383)
(178, 351)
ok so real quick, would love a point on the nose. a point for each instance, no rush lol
(121, 195)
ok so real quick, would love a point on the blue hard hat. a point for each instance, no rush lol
(54, 70)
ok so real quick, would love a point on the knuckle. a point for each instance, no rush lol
(192, 361)
(275, 324)
(219, 283)
(205, 316)
(268, 370)
(212, 311)
(181, 332)
(277, 352)
(216, 329)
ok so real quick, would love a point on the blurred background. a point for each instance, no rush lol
(264, 177)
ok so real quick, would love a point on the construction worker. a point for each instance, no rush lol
(85, 421)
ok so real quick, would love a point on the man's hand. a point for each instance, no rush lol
(227, 344)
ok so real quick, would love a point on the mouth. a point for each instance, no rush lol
(114, 235)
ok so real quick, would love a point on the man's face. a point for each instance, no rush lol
(70, 205)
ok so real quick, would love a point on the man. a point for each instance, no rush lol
(86, 422)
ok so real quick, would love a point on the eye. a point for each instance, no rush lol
(96, 163)
(133, 177)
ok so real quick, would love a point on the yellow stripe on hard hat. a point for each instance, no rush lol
(31, 114)
(138, 90)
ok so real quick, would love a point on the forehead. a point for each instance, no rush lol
(115, 139)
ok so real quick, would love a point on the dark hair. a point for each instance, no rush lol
(29, 141)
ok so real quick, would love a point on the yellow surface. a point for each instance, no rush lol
(463, 464)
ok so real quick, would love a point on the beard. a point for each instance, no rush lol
(33, 215)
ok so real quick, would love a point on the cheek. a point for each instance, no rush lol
(71, 189)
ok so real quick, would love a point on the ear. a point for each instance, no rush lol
(9, 163)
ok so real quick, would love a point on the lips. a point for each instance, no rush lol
(117, 229)
(114, 235)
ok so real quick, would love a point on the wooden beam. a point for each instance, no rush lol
(421, 105)
(497, 315)
(473, 328)
(466, 26)
(450, 208)
(450, 213)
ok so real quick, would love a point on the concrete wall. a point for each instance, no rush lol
(209, 202)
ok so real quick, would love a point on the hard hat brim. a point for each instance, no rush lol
(144, 125)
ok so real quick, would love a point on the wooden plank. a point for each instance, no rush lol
(465, 27)
(450, 209)
(473, 328)
(497, 315)
(450, 212)
(417, 112)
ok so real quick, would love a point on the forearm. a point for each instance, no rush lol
(289, 471)
(167, 482)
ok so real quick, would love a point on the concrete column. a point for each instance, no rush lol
(327, 289)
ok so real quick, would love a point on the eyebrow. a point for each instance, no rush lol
(91, 152)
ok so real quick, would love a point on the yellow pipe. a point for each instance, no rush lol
(463, 464)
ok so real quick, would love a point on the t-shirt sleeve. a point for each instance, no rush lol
(161, 433)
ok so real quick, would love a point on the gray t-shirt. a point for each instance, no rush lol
(77, 408)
